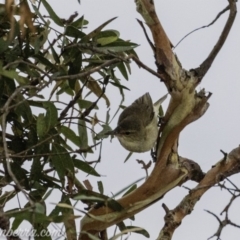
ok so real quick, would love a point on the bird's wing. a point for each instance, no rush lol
(142, 108)
(145, 108)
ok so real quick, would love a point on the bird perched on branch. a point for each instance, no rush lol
(137, 128)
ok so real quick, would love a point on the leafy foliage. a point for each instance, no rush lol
(48, 86)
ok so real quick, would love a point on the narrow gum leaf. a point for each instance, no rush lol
(97, 30)
(52, 13)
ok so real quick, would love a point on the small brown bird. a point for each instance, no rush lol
(137, 129)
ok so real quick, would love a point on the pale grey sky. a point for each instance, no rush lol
(201, 141)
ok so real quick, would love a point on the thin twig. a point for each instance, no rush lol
(72, 102)
(24, 62)
(88, 110)
(206, 64)
(229, 204)
(53, 154)
(86, 73)
(146, 35)
(108, 63)
(205, 26)
(237, 189)
(86, 46)
(141, 64)
(39, 143)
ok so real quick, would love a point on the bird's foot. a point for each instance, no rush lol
(154, 155)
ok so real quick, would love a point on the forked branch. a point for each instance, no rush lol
(186, 105)
(228, 166)
(206, 64)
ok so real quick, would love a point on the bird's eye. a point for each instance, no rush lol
(127, 133)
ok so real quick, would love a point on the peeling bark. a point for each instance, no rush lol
(171, 170)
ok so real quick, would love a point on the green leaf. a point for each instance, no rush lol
(43, 146)
(14, 75)
(85, 167)
(69, 220)
(41, 125)
(107, 37)
(84, 104)
(10, 85)
(72, 31)
(107, 116)
(89, 198)
(82, 130)
(25, 111)
(28, 70)
(2, 87)
(48, 194)
(17, 145)
(3, 45)
(32, 138)
(121, 226)
(27, 215)
(65, 88)
(120, 86)
(51, 115)
(55, 55)
(102, 134)
(36, 170)
(51, 182)
(58, 209)
(128, 156)
(124, 189)
(100, 186)
(90, 236)
(160, 111)
(122, 69)
(94, 86)
(92, 196)
(96, 31)
(79, 22)
(44, 61)
(6, 196)
(133, 187)
(52, 14)
(40, 190)
(141, 231)
(70, 134)
(21, 174)
(39, 14)
(40, 208)
(118, 46)
(114, 205)
(61, 160)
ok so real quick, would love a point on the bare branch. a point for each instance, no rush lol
(141, 64)
(165, 59)
(146, 35)
(86, 73)
(229, 204)
(144, 165)
(226, 221)
(72, 102)
(186, 105)
(221, 170)
(211, 23)
(222, 224)
(206, 64)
